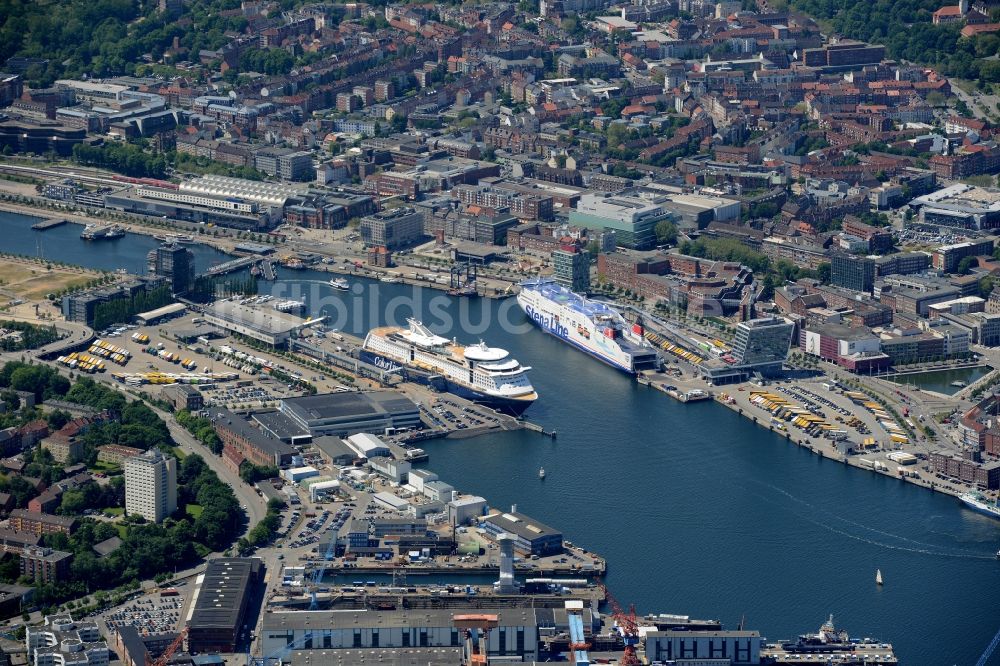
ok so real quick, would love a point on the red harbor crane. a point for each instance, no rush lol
(628, 627)
(175, 645)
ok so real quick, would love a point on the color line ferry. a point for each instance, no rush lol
(483, 374)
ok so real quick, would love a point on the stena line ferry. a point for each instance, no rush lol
(486, 375)
(590, 326)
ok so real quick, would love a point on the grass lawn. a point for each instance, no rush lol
(105, 467)
(966, 85)
(176, 451)
(33, 281)
(114, 511)
(122, 530)
(193, 510)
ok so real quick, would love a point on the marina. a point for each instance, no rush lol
(947, 381)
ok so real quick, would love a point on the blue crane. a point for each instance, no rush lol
(318, 573)
(317, 577)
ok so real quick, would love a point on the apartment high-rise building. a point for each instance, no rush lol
(392, 229)
(174, 262)
(572, 269)
(850, 272)
(151, 485)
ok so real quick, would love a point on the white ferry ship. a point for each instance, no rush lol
(590, 326)
(980, 504)
(483, 374)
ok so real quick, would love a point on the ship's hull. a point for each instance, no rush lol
(586, 350)
(514, 406)
(545, 321)
(978, 507)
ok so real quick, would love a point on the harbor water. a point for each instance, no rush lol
(63, 243)
(942, 381)
(698, 511)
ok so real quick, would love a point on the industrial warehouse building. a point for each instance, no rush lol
(240, 437)
(268, 326)
(344, 414)
(530, 536)
(221, 603)
(732, 647)
(313, 631)
(960, 205)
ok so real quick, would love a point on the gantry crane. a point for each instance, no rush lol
(628, 627)
(476, 654)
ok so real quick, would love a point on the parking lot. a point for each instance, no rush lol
(325, 523)
(149, 615)
(447, 413)
(244, 397)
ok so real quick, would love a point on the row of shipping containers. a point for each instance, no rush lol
(896, 433)
(800, 417)
(82, 362)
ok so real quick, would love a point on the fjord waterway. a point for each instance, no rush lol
(697, 510)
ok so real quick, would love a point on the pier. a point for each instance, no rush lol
(50, 223)
(694, 395)
(232, 266)
(596, 569)
(534, 427)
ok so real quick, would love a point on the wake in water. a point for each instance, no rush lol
(916, 546)
(830, 523)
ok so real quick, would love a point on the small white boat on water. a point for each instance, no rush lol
(340, 284)
(878, 577)
(541, 472)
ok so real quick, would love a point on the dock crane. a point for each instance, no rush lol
(476, 653)
(627, 626)
(164, 658)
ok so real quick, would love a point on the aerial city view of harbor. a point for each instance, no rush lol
(644, 332)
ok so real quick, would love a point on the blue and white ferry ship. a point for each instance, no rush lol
(590, 326)
(486, 375)
(981, 504)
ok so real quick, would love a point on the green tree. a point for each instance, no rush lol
(986, 285)
(666, 232)
(57, 418)
(823, 272)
